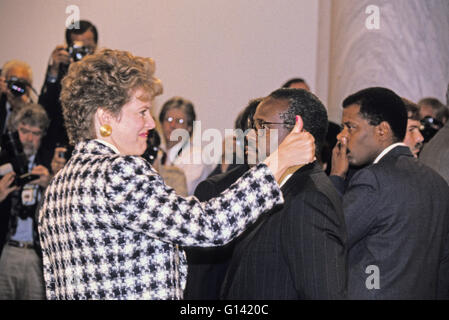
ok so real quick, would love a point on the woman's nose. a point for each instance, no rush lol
(150, 123)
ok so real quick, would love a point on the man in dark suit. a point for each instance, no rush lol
(298, 251)
(396, 208)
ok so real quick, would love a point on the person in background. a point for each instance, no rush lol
(435, 154)
(432, 107)
(179, 114)
(16, 79)
(109, 226)
(413, 137)
(297, 83)
(21, 274)
(81, 39)
(396, 209)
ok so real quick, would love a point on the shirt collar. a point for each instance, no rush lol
(288, 174)
(108, 145)
(388, 149)
(284, 181)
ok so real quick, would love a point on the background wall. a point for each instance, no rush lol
(221, 53)
(408, 52)
(217, 53)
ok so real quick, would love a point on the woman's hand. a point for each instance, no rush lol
(297, 149)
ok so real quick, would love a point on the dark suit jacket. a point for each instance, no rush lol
(49, 99)
(207, 266)
(3, 112)
(299, 250)
(397, 215)
(436, 152)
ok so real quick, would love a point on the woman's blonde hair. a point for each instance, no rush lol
(106, 79)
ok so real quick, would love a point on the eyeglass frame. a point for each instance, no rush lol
(253, 124)
(177, 120)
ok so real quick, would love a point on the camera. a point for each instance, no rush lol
(429, 127)
(18, 87)
(22, 180)
(78, 52)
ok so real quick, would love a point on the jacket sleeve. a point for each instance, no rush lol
(360, 205)
(139, 200)
(443, 272)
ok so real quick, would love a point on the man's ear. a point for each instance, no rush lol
(384, 132)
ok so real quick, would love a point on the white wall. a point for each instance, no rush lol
(218, 53)
(408, 52)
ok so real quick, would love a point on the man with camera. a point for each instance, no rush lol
(25, 164)
(15, 88)
(81, 39)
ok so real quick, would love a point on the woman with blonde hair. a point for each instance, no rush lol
(109, 226)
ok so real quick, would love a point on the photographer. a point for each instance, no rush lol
(81, 39)
(20, 263)
(15, 88)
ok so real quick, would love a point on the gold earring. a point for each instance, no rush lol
(105, 130)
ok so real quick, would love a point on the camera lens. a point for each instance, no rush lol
(429, 127)
(17, 87)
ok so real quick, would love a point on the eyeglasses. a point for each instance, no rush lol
(178, 120)
(262, 125)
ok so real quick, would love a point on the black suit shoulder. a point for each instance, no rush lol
(213, 186)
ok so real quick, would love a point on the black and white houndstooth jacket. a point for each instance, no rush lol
(110, 228)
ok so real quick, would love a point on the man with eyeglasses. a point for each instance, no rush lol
(16, 79)
(20, 263)
(298, 250)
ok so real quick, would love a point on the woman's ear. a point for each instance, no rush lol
(103, 116)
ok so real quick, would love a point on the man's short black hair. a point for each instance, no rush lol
(294, 80)
(305, 104)
(379, 104)
(84, 26)
(244, 119)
